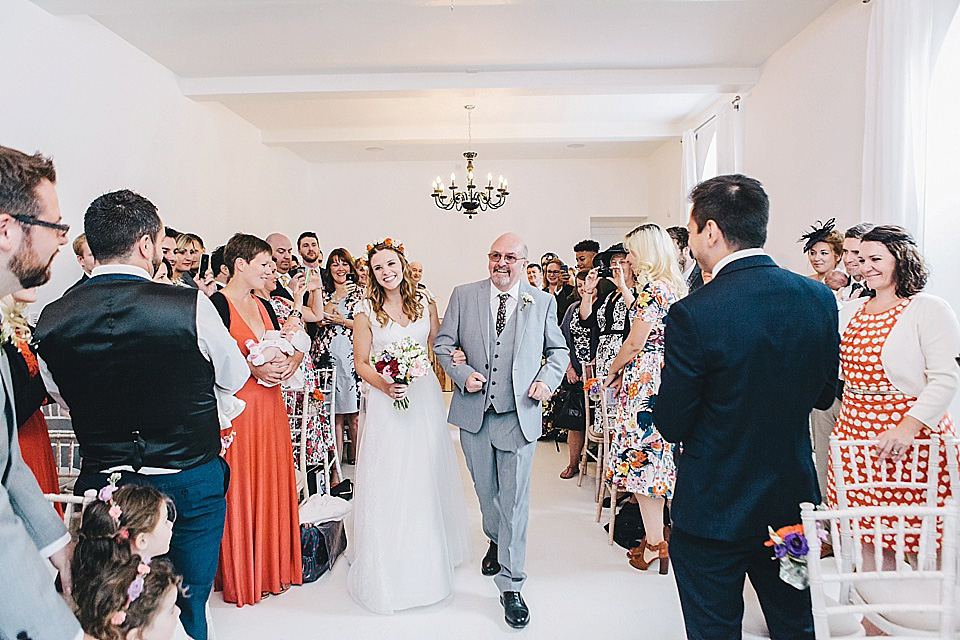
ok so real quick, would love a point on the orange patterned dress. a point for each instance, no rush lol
(865, 416)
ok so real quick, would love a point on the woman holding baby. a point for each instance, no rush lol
(260, 552)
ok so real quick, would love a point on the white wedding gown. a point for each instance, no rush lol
(410, 520)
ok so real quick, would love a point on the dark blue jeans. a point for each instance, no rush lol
(200, 497)
(710, 576)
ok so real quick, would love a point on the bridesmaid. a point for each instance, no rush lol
(260, 553)
(29, 392)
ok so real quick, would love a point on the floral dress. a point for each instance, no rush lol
(640, 460)
(319, 434)
(865, 415)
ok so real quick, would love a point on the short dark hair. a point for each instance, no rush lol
(910, 274)
(307, 234)
(737, 204)
(680, 235)
(857, 230)
(216, 260)
(534, 265)
(170, 232)
(245, 246)
(116, 221)
(587, 245)
(19, 176)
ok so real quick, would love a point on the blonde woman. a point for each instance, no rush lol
(641, 461)
(186, 258)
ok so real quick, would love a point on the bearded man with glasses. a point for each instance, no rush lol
(502, 346)
(31, 233)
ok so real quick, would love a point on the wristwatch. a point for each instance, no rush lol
(296, 314)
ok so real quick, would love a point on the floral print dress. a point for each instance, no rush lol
(611, 324)
(641, 461)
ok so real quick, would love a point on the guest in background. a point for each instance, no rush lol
(169, 244)
(220, 273)
(416, 273)
(147, 405)
(535, 275)
(28, 391)
(82, 250)
(897, 357)
(608, 317)
(689, 268)
(260, 552)
(577, 336)
(363, 272)
(585, 252)
(556, 277)
(282, 252)
(308, 244)
(186, 260)
(164, 272)
(640, 461)
(339, 308)
(745, 359)
(824, 246)
(856, 287)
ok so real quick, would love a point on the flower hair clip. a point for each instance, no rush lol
(134, 591)
(106, 495)
(385, 243)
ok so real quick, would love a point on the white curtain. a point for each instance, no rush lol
(903, 41)
(688, 170)
(730, 137)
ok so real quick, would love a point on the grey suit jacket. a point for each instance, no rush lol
(28, 523)
(540, 352)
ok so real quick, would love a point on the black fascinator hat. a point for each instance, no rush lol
(817, 233)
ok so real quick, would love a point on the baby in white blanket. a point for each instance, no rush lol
(277, 345)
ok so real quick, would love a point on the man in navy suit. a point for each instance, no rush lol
(746, 358)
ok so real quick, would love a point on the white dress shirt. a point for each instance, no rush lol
(215, 343)
(514, 294)
(848, 293)
(736, 255)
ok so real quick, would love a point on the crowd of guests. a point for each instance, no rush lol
(716, 364)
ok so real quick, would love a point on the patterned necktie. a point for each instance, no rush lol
(502, 312)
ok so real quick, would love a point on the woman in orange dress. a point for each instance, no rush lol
(897, 358)
(260, 552)
(29, 392)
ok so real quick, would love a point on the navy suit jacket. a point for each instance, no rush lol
(746, 358)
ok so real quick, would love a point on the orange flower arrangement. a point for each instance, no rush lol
(317, 396)
(386, 242)
(783, 532)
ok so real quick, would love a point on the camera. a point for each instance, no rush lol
(293, 273)
(352, 277)
(604, 271)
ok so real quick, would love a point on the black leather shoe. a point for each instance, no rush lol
(515, 610)
(490, 566)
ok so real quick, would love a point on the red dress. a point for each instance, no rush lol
(865, 416)
(260, 552)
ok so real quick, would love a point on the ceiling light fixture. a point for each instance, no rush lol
(472, 200)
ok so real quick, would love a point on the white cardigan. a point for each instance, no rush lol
(919, 355)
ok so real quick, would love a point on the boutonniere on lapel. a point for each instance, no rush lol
(526, 299)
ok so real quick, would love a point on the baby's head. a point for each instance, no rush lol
(129, 520)
(130, 600)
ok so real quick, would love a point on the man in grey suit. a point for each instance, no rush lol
(515, 357)
(31, 233)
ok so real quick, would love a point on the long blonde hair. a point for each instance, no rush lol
(655, 256)
(412, 307)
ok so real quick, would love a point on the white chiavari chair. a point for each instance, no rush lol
(608, 408)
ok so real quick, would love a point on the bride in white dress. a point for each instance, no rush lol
(410, 522)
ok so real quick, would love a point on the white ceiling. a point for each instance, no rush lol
(330, 79)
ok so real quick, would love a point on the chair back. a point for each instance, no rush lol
(66, 456)
(69, 502)
(901, 583)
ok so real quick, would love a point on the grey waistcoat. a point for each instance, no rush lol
(499, 389)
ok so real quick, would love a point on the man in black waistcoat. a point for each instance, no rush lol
(139, 364)
(745, 360)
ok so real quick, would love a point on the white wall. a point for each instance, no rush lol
(113, 118)
(550, 205)
(804, 129)
(664, 173)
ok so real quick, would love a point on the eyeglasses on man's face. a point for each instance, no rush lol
(62, 228)
(509, 258)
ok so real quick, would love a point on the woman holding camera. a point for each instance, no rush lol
(339, 306)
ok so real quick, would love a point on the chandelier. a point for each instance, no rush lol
(472, 199)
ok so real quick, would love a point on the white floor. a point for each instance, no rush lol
(577, 586)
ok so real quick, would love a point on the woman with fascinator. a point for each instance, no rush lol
(410, 521)
(824, 246)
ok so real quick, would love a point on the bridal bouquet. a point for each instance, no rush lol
(403, 362)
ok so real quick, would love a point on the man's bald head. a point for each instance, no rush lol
(507, 261)
(416, 270)
(282, 250)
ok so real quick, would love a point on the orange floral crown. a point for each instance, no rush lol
(385, 243)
